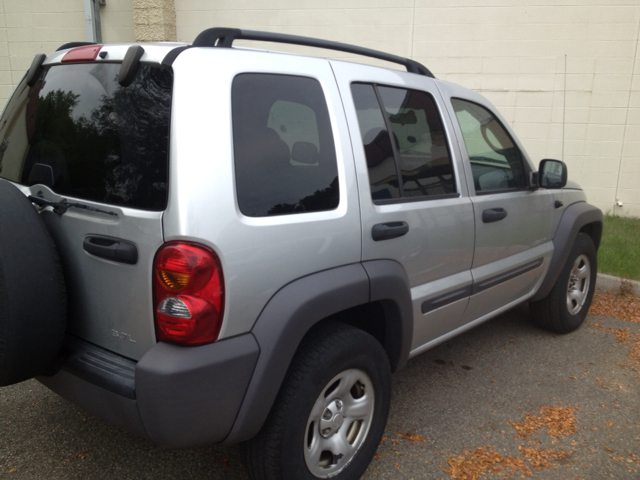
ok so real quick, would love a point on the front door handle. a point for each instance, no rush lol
(113, 249)
(493, 215)
(386, 231)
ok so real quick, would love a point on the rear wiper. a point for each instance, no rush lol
(63, 206)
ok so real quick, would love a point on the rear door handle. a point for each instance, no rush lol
(386, 231)
(493, 215)
(113, 249)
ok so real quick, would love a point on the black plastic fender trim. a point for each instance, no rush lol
(574, 218)
(389, 285)
(189, 396)
(296, 307)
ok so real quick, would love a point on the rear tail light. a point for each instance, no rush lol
(188, 294)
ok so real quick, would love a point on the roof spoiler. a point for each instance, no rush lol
(34, 70)
(128, 69)
(130, 65)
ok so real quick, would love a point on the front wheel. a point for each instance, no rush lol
(330, 413)
(566, 306)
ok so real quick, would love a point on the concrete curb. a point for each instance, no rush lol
(609, 282)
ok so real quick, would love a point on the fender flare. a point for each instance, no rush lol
(299, 305)
(574, 218)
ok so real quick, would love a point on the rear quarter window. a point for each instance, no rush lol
(284, 152)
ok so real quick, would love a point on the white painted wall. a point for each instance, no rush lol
(28, 27)
(565, 73)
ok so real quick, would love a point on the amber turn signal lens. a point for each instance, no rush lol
(173, 281)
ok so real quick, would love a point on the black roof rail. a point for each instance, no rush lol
(74, 44)
(224, 37)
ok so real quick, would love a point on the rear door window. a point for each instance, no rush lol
(411, 162)
(83, 135)
(284, 153)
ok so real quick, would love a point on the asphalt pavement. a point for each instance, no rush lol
(467, 395)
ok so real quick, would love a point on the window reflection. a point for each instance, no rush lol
(87, 137)
(284, 152)
(418, 153)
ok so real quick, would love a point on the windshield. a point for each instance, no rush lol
(83, 135)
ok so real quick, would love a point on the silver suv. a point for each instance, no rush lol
(203, 243)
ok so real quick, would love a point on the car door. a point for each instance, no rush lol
(414, 202)
(80, 141)
(513, 221)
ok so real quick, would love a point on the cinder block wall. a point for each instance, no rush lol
(116, 19)
(28, 27)
(155, 20)
(25, 31)
(565, 74)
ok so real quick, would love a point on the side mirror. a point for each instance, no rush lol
(552, 174)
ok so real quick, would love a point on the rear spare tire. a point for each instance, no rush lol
(32, 291)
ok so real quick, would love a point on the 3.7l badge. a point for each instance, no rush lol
(122, 335)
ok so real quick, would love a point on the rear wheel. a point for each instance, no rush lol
(330, 413)
(32, 292)
(567, 305)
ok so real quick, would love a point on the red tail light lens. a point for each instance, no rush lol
(188, 293)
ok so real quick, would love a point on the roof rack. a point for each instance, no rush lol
(224, 37)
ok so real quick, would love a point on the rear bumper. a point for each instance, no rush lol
(175, 396)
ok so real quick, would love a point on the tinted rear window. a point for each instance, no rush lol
(285, 156)
(82, 134)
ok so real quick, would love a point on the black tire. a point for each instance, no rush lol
(32, 291)
(564, 309)
(332, 357)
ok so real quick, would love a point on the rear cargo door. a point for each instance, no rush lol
(78, 137)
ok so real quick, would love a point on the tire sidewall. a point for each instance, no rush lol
(366, 355)
(32, 291)
(582, 246)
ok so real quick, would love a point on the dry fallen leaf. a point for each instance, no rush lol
(412, 437)
(614, 304)
(475, 463)
(623, 336)
(541, 458)
(559, 421)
